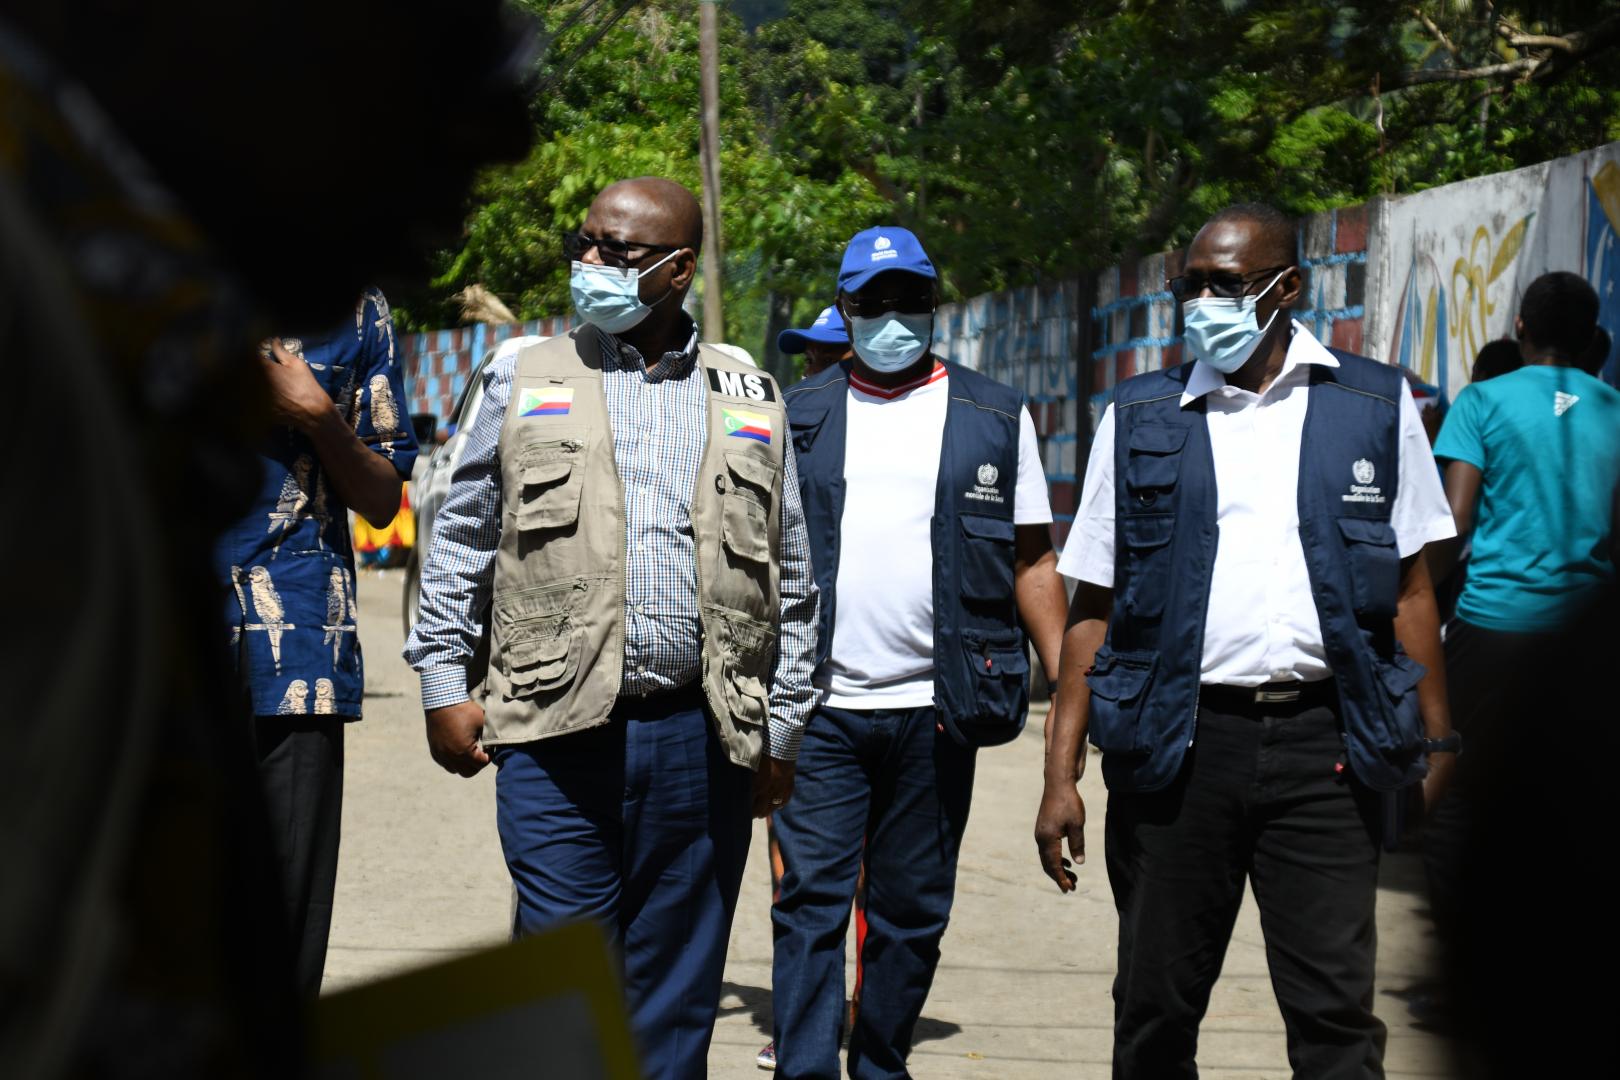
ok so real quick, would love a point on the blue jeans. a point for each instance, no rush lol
(643, 825)
(890, 778)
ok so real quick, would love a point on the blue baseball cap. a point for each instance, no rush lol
(874, 251)
(828, 329)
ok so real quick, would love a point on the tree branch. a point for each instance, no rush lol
(1439, 34)
(1536, 41)
(1434, 75)
(1558, 53)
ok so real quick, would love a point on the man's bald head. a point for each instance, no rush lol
(1274, 237)
(659, 211)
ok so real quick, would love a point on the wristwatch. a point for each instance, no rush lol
(1450, 744)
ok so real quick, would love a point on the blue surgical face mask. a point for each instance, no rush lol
(1224, 333)
(891, 341)
(609, 297)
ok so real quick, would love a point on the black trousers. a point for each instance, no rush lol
(301, 770)
(1261, 797)
(1485, 673)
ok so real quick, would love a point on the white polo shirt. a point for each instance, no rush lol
(883, 631)
(1262, 624)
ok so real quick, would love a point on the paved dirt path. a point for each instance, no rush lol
(1022, 991)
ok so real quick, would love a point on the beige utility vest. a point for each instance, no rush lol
(557, 618)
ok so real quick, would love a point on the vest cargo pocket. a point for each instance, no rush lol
(746, 697)
(756, 475)
(745, 508)
(1148, 574)
(1375, 565)
(1000, 666)
(1399, 677)
(1119, 684)
(747, 649)
(538, 663)
(988, 551)
(551, 485)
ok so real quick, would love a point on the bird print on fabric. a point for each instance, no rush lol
(293, 701)
(383, 323)
(384, 413)
(291, 502)
(325, 698)
(339, 610)
(271, 617)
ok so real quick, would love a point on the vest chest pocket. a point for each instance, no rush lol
(746, 489)
(552, 476)
(986, 573)
(1153, 462)
(1375, 565)
(1119, 684)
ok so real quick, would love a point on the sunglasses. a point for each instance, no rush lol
(614, 252)
(1222, 283)
(870, 305)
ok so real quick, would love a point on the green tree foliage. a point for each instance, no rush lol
(1026, 139)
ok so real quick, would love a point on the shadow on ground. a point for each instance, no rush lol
(756, 1002)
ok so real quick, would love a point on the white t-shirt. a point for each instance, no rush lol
(1261, 625)
(883, 631)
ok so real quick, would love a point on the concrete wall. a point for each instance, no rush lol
(1030, 338)
(438, 362)
(1422, 280)
(1451, 264)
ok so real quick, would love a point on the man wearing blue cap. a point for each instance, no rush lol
(824, 344)
(935, 548)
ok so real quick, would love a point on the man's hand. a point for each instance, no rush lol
(773, 785)
(1062, 815)
(1435, 785)
(452, 735)
(296, 399)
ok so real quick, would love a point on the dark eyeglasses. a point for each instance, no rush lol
(870, 305)
(1222, 283)
(576, 244)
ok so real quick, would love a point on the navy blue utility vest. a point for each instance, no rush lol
(981, 668)
(1144, 684)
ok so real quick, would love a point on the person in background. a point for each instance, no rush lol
(286, 571)
(1496, 358)
(823, 343)
(928, 517)
(1597, 353)
(1532, 465)
(1253, 646)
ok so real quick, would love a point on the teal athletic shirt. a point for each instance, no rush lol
(1547, 442)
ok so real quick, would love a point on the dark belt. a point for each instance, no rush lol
(680, 699)
(1290, 694)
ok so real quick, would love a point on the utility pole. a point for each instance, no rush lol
(714, 327)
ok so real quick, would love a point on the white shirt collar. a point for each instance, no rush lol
(1303, 348)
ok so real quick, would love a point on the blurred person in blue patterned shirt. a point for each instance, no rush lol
(342, 442)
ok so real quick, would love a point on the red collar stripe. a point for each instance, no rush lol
(889, 393)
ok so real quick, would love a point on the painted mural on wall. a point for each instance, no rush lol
(1602, 267)
(1451, 264)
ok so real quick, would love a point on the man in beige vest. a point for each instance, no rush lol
(624, 530)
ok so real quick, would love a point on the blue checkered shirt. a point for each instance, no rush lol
(660, 424)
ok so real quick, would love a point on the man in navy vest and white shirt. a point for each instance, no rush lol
(930, 534)
(1253, 644)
